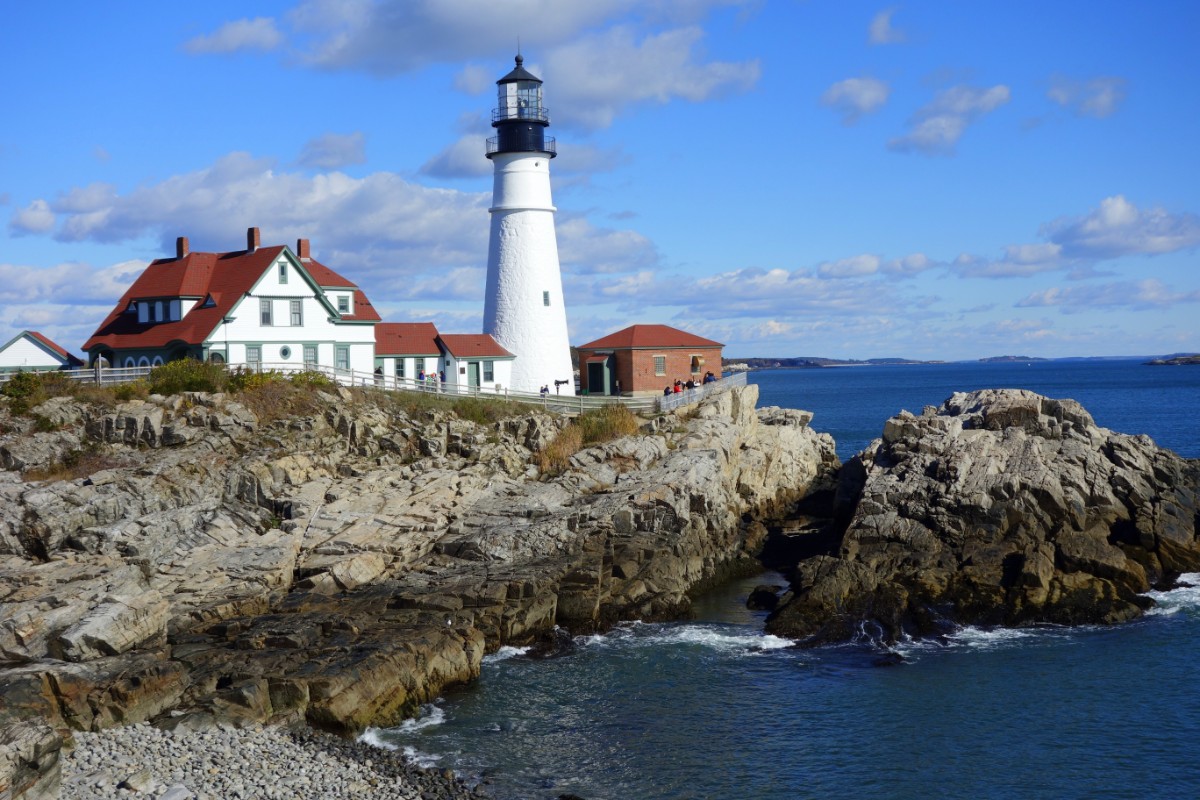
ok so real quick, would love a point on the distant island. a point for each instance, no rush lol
(814, 362)
(1175, 361)
(1005, 359)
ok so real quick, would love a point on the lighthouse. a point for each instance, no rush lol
(523, 308)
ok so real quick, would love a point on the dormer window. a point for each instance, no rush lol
(132, 309)
(343, 302)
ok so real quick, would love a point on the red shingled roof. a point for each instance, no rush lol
(406, 339)
(649, 337)
(57, 348)
(226, 277)
(473, 345)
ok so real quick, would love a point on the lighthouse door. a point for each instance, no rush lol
(473, 374)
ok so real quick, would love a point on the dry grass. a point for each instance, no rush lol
(591, 427)
(74, 465)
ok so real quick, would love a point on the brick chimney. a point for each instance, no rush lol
(302, 252)
(181, 247)
(253, 239)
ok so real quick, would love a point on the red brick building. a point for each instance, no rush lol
(643, 359)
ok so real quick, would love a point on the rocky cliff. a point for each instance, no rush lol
(342, 566)
(1001, 507)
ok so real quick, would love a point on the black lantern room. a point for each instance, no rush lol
(520, 119)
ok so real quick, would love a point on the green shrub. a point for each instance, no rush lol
(187, 375)
(311, 379)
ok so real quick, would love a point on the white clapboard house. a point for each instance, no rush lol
(30, 351)
(258, 306)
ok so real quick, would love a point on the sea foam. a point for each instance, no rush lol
(1184, 597)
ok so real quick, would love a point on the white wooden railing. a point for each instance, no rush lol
(551, 402)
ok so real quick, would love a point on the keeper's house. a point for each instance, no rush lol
(262, 306)
(644, 359)
(407, 350)
(30, 351)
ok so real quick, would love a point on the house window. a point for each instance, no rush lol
(264, 310)
(342, 357)
(343, 304)
(489, 371)
(254, 356)
(175, 311)
(158, 311)
(297, 314)
(143, 312)
(285, 352)
(310, 355)
(400, 367)
(283, 272)
(660, 365)
(216, 357)
(545, 298)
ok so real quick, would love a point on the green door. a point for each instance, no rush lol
(473, 374)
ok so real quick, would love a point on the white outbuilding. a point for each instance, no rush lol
(30, 351)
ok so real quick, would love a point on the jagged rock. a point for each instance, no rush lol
(321, 569)
(29, 762)
(1003, 507)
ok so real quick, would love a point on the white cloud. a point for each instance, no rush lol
(463, 159)
(259, 33)
(912, 264)
(1144, 295)
(881, 30)
(1118, 228)
(70, 282)
(853, 267)
(583, 248)
(395, 238)
(390, 37)
(655, 69)
(854, 97)
(1097, 97)
(1019, 260)
(34, 218)
(936, 128)
(334, 151)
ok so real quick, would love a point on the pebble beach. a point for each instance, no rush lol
(225, 763)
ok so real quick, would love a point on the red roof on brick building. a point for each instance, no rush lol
(406, 339)
(473, 345)
(649, 337)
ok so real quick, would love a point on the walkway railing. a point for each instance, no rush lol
(560, 404)
(670, 402)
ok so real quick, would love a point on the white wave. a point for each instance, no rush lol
(722, 640)
(1185, 596)
(716, 637)
(970, 638)
(423, 760)
(371, 736)
(430, 715)
(505, 653)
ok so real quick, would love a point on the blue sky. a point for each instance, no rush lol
(933, 180)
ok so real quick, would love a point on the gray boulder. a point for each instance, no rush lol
(1001, 507)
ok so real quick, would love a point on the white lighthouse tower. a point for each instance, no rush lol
(523, 309)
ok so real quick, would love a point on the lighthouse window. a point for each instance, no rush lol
(545, 298)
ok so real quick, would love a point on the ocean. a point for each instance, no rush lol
(713, 708)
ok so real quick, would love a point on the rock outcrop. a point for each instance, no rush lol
(342, 567)
(1001, 507)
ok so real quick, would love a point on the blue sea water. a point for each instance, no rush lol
(713, 708)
